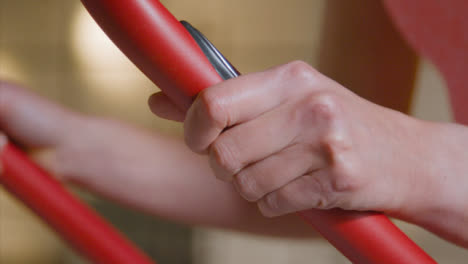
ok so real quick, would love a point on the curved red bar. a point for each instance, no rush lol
(74, 221)
(366, 237)
(157, 44)
(160, 46)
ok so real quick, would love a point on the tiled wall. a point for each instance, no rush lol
(53, 47)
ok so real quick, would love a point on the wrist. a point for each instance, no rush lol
(439, 198)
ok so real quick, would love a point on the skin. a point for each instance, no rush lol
(318, 145)
(134, 167)
(341, 150)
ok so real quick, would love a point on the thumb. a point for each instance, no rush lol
(163, 107)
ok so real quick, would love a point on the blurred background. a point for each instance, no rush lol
(54, 47)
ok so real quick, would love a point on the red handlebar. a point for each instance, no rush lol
(157, 44)
(75, 222)
(162, 49)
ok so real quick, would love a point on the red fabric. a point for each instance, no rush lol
(438, 30)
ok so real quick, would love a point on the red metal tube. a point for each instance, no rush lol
(162, 49)
(157, 44)
(78, 224)
(365, 237)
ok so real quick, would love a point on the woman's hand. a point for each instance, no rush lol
(291, 139)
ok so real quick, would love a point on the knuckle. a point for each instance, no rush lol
(247, 186)
(335, 146)
(344, 178)
(318, 111)
(323, 107)
(225, 157)
(212, 105)
(299, 70)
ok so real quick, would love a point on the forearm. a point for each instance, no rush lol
(439, 196)
(159, 175)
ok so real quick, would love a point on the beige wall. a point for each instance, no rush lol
(39, 45)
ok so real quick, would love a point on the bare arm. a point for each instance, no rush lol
(142, 169)
(160, 175)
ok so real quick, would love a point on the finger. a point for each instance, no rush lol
(253, 141)
(272, 173)
(162, 106)
(242, 99)
(306, 192)
(30, 119)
